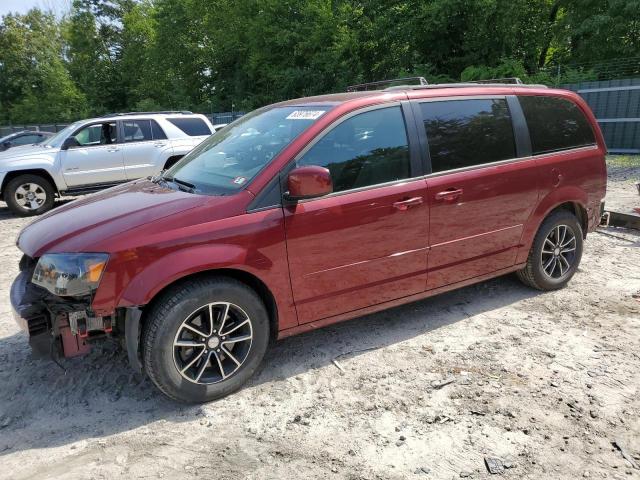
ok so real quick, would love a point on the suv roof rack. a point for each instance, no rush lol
(464, 85)
(508, 80)
(164, 112)
(366, 86)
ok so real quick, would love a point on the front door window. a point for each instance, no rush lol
(367, 149)
(97, 134)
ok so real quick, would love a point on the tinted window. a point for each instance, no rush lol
(26, 140)
(157, 132)
(367, 149)
(463, 133)
(137, 130)
(97, 134)
(555, 124)
(191, 126)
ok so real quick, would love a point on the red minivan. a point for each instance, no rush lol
(309, 212)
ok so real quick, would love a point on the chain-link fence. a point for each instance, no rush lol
(614, 69)
(224, 117)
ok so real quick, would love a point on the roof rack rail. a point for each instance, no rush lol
(164, 112)
(435, 86)
(366, 86)
(509, 80)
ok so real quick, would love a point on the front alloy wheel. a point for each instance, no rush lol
(212, 343)
(30, 196)
(204, 338)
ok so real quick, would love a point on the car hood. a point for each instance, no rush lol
(88, 224)
(17, 153)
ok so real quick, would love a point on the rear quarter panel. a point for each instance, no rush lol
(578, 176)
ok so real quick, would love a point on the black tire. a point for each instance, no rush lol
(166, 318)
(534, 274)
(44, 188)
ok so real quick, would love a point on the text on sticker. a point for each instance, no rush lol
(305, 114)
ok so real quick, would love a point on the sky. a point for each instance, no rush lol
(22, 6)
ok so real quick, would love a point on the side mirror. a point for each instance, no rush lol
(69, 142)
(308, 182)
(6, 145)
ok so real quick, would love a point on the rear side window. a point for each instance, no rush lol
(555, 124)
(367, 149)
(193, 127)
(464, 133)
(137, 130)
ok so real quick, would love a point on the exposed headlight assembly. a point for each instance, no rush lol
(70, 274)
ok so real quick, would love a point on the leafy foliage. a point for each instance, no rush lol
(35, 84)
(212, 55)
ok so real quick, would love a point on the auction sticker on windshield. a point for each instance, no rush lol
(305, 114)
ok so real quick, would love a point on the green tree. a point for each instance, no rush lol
(597, 30)
(94, 36)
(35, 86)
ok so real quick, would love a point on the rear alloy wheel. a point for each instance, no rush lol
(558, 252)
(204, 338)
(555, 253)
(28, 195)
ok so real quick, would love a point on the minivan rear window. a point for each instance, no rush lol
(464, 133)
(193, 127)
(555, 124)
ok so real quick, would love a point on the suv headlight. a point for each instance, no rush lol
(70, 274)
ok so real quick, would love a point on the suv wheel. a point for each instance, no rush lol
(28, 195)
(204, 339)
(555, 253)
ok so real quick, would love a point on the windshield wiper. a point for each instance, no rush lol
(182, 185)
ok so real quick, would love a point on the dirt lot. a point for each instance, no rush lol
(545, 382)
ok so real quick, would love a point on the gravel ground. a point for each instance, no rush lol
(545, 382)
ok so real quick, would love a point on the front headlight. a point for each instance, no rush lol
(70, 274)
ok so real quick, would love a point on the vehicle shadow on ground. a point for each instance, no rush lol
(42, 406)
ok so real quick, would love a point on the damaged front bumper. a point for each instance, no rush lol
(60, 326)
(55, 325)
(30, 313)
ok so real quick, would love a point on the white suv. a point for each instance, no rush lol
(93, 154)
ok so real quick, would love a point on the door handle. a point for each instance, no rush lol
(158, 145)
(111, 150)
(403, 205)
(449, 194)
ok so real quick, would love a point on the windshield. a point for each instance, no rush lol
(58, 138)
(230, 158)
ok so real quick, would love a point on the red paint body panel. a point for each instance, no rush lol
(393, 303)
(253, 243)
(479, 232)
(354, 250)
(335, 257)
